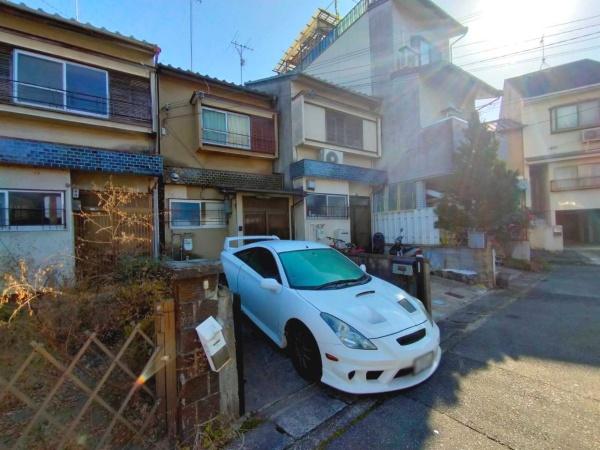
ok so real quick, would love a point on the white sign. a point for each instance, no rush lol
(210, 333)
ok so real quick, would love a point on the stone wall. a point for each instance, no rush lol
(202, 394)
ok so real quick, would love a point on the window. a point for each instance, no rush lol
(590, 170)
(225, 128)
(197, 214)
(344, 129)
(408, 196)
(261, 261)
(309, 269)
(393, 197)
(327, 206)
(565, 173)
(52, 83)
(378, 201)
(37, 209)
(427, 52)
(581, 115)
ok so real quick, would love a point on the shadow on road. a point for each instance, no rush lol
(522, 374)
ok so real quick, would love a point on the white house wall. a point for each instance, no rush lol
(44, 247)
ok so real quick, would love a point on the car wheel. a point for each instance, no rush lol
(304, 352)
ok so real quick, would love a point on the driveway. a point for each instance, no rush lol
(521, 372)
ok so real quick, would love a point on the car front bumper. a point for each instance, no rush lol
(389, 368)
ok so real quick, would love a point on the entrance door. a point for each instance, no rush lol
(267, 216)
(580, 227)
(360, 221)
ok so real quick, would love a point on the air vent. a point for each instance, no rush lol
(590, 135)
(332, 156)
(412, 338)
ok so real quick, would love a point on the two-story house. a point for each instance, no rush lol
(218, 141)
(329, 143)
(76, 108)
(400, 51)
(553, 139)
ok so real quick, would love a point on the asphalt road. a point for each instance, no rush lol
(520, 372)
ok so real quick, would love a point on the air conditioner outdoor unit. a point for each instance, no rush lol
(332, 156)
(590, 135)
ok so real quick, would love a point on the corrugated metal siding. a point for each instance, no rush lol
(416, 226)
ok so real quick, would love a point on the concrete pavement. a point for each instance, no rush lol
(518, 372)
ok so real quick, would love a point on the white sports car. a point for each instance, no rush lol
(342, 326)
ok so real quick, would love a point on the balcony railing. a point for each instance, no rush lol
(575, 184)
(327, 212)
(251, 143)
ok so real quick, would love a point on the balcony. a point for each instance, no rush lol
(322, 169)
(575, 184)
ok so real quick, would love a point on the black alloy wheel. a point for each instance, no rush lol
(304, 352)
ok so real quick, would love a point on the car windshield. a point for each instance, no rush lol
(321, 268)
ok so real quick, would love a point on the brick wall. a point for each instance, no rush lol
(201, 393)
(59, 156)
(224, 178)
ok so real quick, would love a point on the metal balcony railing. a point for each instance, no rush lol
(240, 141)
(575, 184)
(327, 212)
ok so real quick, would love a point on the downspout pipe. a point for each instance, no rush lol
(459, 38)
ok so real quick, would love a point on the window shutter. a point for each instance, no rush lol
(130, 99)
(5, 85)
(263, 135)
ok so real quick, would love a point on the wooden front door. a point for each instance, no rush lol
(360, 221)
(267, 216)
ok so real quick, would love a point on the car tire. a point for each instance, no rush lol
(304, 352)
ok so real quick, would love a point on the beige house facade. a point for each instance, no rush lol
(219, 142)
(330, 141)
(554, 142)
(76, 109)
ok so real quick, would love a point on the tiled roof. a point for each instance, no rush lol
(584, 72)
(21, 7)
(329, 84)
(199, 76)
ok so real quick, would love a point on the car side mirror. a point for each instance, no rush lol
(363, 268)
(270, 284)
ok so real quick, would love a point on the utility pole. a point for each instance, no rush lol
(77, 10)
(240, 49)
(192, 33)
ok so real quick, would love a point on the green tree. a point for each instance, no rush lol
(481, 194)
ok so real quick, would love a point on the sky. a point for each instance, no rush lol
(503, 39)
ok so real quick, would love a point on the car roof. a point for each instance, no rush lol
(280, 246)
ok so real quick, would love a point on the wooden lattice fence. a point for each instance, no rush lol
(101, 398)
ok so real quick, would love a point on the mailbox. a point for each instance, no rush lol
(210, 333)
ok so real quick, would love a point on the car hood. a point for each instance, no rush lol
(371, 308)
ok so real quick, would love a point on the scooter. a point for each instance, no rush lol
(399, 249)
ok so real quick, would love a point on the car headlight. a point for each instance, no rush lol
(349, 336)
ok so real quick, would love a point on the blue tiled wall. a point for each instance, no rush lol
(60, 156)
(321, 169)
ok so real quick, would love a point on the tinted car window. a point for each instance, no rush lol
(261, 261)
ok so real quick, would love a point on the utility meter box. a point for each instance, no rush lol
(210, 333)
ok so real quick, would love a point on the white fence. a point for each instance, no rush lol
(418, 226)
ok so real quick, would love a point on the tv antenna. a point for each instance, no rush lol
(544, 62)
(240, 49)
(192, 33)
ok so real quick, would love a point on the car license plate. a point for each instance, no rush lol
(423, 362)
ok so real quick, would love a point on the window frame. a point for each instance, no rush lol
(345, 143)
(16, 83)
(278, 276)
(553, 116)
(8, 227)
(199, 202)
(227, 143)
(346, 198)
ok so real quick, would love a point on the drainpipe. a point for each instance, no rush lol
(460, 37)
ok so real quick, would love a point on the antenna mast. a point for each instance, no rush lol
(543, 44)
(240, 49)
(192, 33)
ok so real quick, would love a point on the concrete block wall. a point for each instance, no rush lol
(202, 394)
